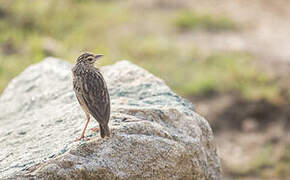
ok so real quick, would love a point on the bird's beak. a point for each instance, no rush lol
(98, 56)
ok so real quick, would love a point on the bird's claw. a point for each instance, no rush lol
(79, 139)
(96, 129)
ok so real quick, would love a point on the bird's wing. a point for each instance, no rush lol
(96, 96)
(77, 87)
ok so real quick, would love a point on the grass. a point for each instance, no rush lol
(192, 20)
(224, 72)
(31, 30)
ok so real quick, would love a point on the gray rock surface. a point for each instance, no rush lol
(155, 133)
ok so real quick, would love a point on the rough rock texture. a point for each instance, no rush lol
(155, 133)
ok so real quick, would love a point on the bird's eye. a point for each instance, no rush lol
(90, 59)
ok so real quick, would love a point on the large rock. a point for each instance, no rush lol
(155, 133)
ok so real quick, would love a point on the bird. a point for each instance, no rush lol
(92, 93)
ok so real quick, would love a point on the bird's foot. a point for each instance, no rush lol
(79, 139)
(96, 129)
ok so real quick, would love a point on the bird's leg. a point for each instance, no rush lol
(95, 129)
(83, 133)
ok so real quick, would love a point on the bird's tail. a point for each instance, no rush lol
(105, 131)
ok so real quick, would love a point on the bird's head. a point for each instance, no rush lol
(88, 58)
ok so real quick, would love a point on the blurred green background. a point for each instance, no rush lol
(152, 38)
(202, 51)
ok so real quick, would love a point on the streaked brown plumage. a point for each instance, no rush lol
(91, 91)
